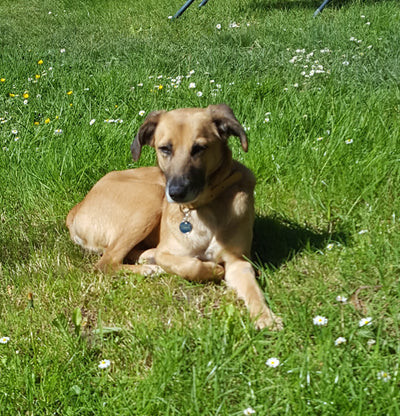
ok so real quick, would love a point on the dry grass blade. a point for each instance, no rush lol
(358, 304)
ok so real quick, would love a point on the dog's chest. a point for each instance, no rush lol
(200, 241)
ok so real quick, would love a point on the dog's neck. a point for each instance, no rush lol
(220, 180)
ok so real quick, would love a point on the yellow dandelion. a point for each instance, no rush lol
(69, 92)
(2, 79)
(12, 95)
(40, 62)
(37, 76)
(47, 121)
(25, 95)
(116, 106)
(36, 123)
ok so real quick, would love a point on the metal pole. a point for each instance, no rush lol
(183, 8)
(320, 8)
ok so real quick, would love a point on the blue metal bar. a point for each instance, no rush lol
(203, 3)
(320, 8)
(183, 8)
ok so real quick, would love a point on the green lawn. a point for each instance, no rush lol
(320, 99)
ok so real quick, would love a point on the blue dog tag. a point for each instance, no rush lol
(185, 227)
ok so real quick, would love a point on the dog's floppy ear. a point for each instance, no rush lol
(145, 134)
(227, 124)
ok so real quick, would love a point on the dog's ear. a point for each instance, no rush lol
(227, 124)
(145, 135)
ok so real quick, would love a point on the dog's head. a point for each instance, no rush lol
(191, 146)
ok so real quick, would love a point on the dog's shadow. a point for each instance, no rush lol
(276, 241)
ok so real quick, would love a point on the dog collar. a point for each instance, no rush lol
(219, 188)
(185, 226)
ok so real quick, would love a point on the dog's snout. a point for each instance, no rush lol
(178, 189)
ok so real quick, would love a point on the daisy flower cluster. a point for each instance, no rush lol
(322, 321)
(168, 84)
(232, 25)
(309, 62)
(202, 85)
(368, 321)
(358, 43)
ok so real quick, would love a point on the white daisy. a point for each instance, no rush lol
(365, 321)
(104, 364)
(272, 362)
(320, 320)
(340, 340)
(384, 376)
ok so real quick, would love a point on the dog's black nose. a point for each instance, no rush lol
(178, 189)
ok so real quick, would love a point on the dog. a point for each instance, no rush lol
(198, 224)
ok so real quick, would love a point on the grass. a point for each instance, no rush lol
(324, 148)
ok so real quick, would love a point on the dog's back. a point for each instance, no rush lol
(121, 210)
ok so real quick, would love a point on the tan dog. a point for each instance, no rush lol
(208, 213)
(120, 218)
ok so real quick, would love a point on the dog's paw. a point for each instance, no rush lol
(150, 270)
(207, 271)
(219, 271)
(147, 257)
(270, 321)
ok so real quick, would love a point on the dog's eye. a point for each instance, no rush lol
(197, 149)
(166, 150)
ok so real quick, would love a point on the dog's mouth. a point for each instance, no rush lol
(183, 190)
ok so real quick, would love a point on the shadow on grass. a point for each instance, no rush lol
(265, 5)
(276, 241)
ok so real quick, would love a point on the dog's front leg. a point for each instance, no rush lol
(190, 268)
(240, 276)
